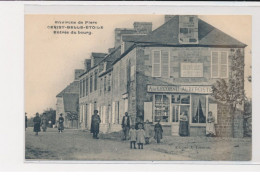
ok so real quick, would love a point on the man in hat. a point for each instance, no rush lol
(95, 121)
(126, 125)
(60, 123)
(37, 124)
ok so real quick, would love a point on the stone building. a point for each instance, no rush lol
(157, 75)
(68, 102)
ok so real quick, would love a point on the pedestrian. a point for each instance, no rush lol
(210, 125)
(140, 135)
(147, 131)
(37, 124)
(158, 132)
(26, 119)
(126, 126)
(132, 133)
(184, 124)
(60, 123)
(44, 122)
(95, 121)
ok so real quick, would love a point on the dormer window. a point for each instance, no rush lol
(122, 47)
(188, 29)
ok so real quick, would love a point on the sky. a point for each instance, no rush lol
(50, 59)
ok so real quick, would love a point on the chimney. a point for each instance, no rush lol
(78, 72)
(143, 27)
(168, 17)
(87, 64)
(122, 31)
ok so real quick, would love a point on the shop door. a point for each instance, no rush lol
(175, 119)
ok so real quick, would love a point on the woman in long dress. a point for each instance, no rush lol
(37, 124)
(210, 126)
(44, 122)
(158, 132)
(184, 124)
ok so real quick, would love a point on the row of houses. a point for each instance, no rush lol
(155, 75)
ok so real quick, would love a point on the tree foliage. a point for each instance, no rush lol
(231, 91)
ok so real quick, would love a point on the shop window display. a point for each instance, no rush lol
(162, 103)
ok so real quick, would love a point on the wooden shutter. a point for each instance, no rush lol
(165, 64)
(214, 65)
(148, 111)
(223, 65)
(156, 63)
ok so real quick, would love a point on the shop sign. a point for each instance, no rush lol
(179, 89)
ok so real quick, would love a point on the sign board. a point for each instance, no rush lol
(191, 69)
(179, 89)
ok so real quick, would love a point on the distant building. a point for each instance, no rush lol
(68, 102)
(157, 75)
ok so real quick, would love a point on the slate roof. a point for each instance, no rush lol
(132, 38)
(208, 35)
(70, 101)
(72, 88)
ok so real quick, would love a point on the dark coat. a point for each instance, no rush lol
(26, 121)
(95, 121)
(37, 124)
(158, 131)
(126, 122)
(60, 122)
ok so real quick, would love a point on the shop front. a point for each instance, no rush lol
(184, 108)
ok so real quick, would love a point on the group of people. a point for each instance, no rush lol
(140, 133)
(39, 122)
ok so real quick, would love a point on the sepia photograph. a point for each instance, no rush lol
(137, 87)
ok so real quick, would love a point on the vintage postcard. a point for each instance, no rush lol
(133, 87)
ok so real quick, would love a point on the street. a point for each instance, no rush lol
(75, 144)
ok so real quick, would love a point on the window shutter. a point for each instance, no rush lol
(165, 64)
(214, 65)
(223, 65)
(156, 64)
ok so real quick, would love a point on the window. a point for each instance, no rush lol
(91, 84)
(161, 63)
(122, 47)
(95, 80)
(101, 87)
(86, 86)
(80, 88)
(105, 84)
(199, 109)
(191, 69)
(83, 92)
(161, 110)
(109, 82)
(219, 64)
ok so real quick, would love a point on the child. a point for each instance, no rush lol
(147, 132)
(140, 136)
(132, 133)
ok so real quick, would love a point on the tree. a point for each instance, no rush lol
(232, 91)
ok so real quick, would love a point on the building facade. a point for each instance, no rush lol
(160, 74)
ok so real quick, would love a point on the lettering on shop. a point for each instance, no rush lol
(180, 89)
(65, 27)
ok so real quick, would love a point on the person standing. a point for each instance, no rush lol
(132, 134)
(158, 132)
(26, 119)
(147, 132)
(37, 124)
(60, 123)
(210, 125)
(140, 135)
(44, 122)
(184, 124)
(126, 125)
(95, 121)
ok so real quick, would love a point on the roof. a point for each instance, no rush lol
(207, 34)
(132, 38)
(72, 88)
(98, 55)
(71, 102)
